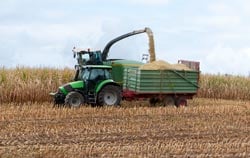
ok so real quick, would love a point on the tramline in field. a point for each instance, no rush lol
(102, 81)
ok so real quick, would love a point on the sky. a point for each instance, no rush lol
(42, 33)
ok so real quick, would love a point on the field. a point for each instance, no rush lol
(209, 127)
(215, 128)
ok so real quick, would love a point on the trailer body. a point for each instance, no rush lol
(160, 81)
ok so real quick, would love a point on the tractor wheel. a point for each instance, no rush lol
(59, 99)
(110, 95)
(168, 100)
(180, 102)
(74, 99)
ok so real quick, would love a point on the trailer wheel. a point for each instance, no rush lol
(168, 100)
(153, 101)
(180, 102)
(74, 99)
(110, 95)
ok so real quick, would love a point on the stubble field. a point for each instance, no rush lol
(207, 128)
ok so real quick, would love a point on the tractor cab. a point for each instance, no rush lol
(92, 72)
(88, 57)
(92, 75)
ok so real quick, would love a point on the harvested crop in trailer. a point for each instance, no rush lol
(180, 67)
(156, 65)
(163, 65)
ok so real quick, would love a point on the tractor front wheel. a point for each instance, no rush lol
(74, 99)
(110, 95)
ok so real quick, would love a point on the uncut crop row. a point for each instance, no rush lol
(31, 84)
(224, 87)
(34, 85)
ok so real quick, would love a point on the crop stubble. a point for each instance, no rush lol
(206, 128)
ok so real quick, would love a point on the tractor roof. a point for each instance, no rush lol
(97, 66)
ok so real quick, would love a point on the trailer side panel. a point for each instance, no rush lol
(161, 81)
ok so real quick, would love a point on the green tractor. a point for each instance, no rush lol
(94, 86)
(93, 83)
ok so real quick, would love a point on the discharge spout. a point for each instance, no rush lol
(150, 37)
(151, 44)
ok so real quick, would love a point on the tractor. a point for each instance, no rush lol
(93, 85)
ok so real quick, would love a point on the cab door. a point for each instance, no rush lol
(96, 76)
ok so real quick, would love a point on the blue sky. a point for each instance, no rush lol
(43, 32)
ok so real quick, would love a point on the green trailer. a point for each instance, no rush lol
(167, 86)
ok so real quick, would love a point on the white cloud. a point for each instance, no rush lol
(47, 44)
(41, 57)
(47, 31)
(222, 59)
(148, 2)
(221, 8)
(222, 22)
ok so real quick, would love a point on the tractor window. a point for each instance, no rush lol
(85, 74)
(99, 74)
(96, 73)
(107, 74)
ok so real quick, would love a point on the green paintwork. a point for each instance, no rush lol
(98, 66)
(100, 85)
(77, 84)
(118, 67)
(161, 81)
(63, 90)
(74, 85)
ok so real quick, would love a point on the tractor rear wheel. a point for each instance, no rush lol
(74, 99)
(109, 95)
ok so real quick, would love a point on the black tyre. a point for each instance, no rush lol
(74, 99)
(59, 99)
(109, 95)
(180, 102)
(153, 101)
(168, 101)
